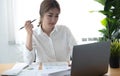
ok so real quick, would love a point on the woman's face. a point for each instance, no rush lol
(50, 18)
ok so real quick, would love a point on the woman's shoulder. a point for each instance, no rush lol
(62, 27)
(36, 30)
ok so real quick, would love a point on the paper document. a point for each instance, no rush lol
(32, 72)
(16, 69)
(54, 67)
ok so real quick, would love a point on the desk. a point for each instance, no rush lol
(4, 67)
(111, 71)
(114, 71)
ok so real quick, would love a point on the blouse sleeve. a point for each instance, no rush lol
(71, 41)
(29, 56)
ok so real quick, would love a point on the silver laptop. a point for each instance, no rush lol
(89, 60)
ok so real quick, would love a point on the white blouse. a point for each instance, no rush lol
(56, 47)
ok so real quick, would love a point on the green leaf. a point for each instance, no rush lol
(104, 22)
(101, 1)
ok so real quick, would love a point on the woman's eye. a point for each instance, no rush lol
(57, 16)
(50, 15)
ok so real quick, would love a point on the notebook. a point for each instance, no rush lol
(88, 60)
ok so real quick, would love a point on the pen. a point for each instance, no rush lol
(31, 22)
(25, 67)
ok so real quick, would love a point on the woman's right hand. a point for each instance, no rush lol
(28, 27)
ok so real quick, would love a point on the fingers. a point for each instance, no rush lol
(28, 26)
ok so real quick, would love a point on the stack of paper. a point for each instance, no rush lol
(55, 68)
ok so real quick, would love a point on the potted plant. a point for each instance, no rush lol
(111, 25)
(111, 22)
(114, 54)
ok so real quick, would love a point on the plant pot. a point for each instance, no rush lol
(114, 61)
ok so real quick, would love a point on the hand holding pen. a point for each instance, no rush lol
(29, 22)
(28, 26)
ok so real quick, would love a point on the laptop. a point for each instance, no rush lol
(89, 60)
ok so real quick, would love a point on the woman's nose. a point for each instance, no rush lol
(54, 20)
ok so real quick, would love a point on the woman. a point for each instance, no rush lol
(48, 42)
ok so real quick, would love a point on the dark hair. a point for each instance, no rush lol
(47, 5)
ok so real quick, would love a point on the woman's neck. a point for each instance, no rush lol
(47, 30)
